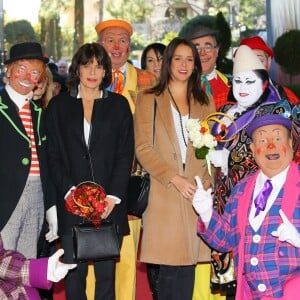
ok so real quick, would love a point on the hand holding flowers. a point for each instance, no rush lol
(200, 135)
(88, 201)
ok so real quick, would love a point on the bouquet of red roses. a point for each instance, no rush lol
(88, 201)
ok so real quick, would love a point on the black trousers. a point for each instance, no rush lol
(75, 281)
(176, 282)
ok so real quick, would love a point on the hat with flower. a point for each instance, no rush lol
(245, 60)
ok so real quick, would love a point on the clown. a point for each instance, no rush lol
(252, 94)
(261, 220)
(26, 189)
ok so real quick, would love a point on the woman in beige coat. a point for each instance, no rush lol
(169, 222)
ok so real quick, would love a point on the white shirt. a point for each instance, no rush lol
(212, 75)
(180, 138)
(17, 98)
(277, 183)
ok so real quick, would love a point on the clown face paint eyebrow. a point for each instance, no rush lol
(247, 88)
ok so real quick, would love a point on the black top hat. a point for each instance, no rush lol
(27, 50)
(200, 31)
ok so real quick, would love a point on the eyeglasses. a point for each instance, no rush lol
(206, 48)
(112, 42)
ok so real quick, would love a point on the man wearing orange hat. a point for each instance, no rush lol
(265, 55)
(127, 80)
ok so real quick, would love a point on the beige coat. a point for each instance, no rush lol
(169, 222)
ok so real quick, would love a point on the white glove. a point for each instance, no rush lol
(287, 231)
(51, 217)
(202, 201)
(57, 270)
(219, 158)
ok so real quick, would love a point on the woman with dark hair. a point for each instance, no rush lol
(152, 58)
(90, 135)
(163, 149)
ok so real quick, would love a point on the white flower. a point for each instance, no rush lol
(198, 137)
(209, 141)
(192, 125)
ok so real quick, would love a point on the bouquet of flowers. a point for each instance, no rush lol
(200, 135)
(88, 201)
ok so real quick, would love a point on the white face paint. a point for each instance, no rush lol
(247, 87)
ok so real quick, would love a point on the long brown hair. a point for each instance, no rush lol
(194, 82)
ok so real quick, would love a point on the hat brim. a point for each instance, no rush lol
(268, 119)
(42, 58)
(201, 32)
(114, 23)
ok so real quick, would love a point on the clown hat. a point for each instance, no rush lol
(26, 50)
(268, 119)
(114, 23)
(256, 42)
(200, 31)
(245, 60)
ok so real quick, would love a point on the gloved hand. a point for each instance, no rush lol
(202, 201)
(57, 270)
(51, 217)
(287, 231)
(219, 158)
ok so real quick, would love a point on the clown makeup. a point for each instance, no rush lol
(247, 88)
(116, 42)
(272, 148)
(24, 75)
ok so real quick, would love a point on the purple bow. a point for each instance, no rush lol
(261, 199)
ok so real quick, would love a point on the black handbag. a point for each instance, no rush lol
(138, 193)
(139, 185)
(91, 243)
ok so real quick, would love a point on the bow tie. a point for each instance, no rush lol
(261, 199)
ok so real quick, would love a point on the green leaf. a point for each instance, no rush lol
(201, 152)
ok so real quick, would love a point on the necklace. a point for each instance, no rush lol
(180, 117)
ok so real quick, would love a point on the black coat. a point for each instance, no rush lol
(107, 160)
(15, 156)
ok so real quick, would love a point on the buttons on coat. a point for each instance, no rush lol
(262, 287)
(25, 161)
(254, 261)
(256, 238)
